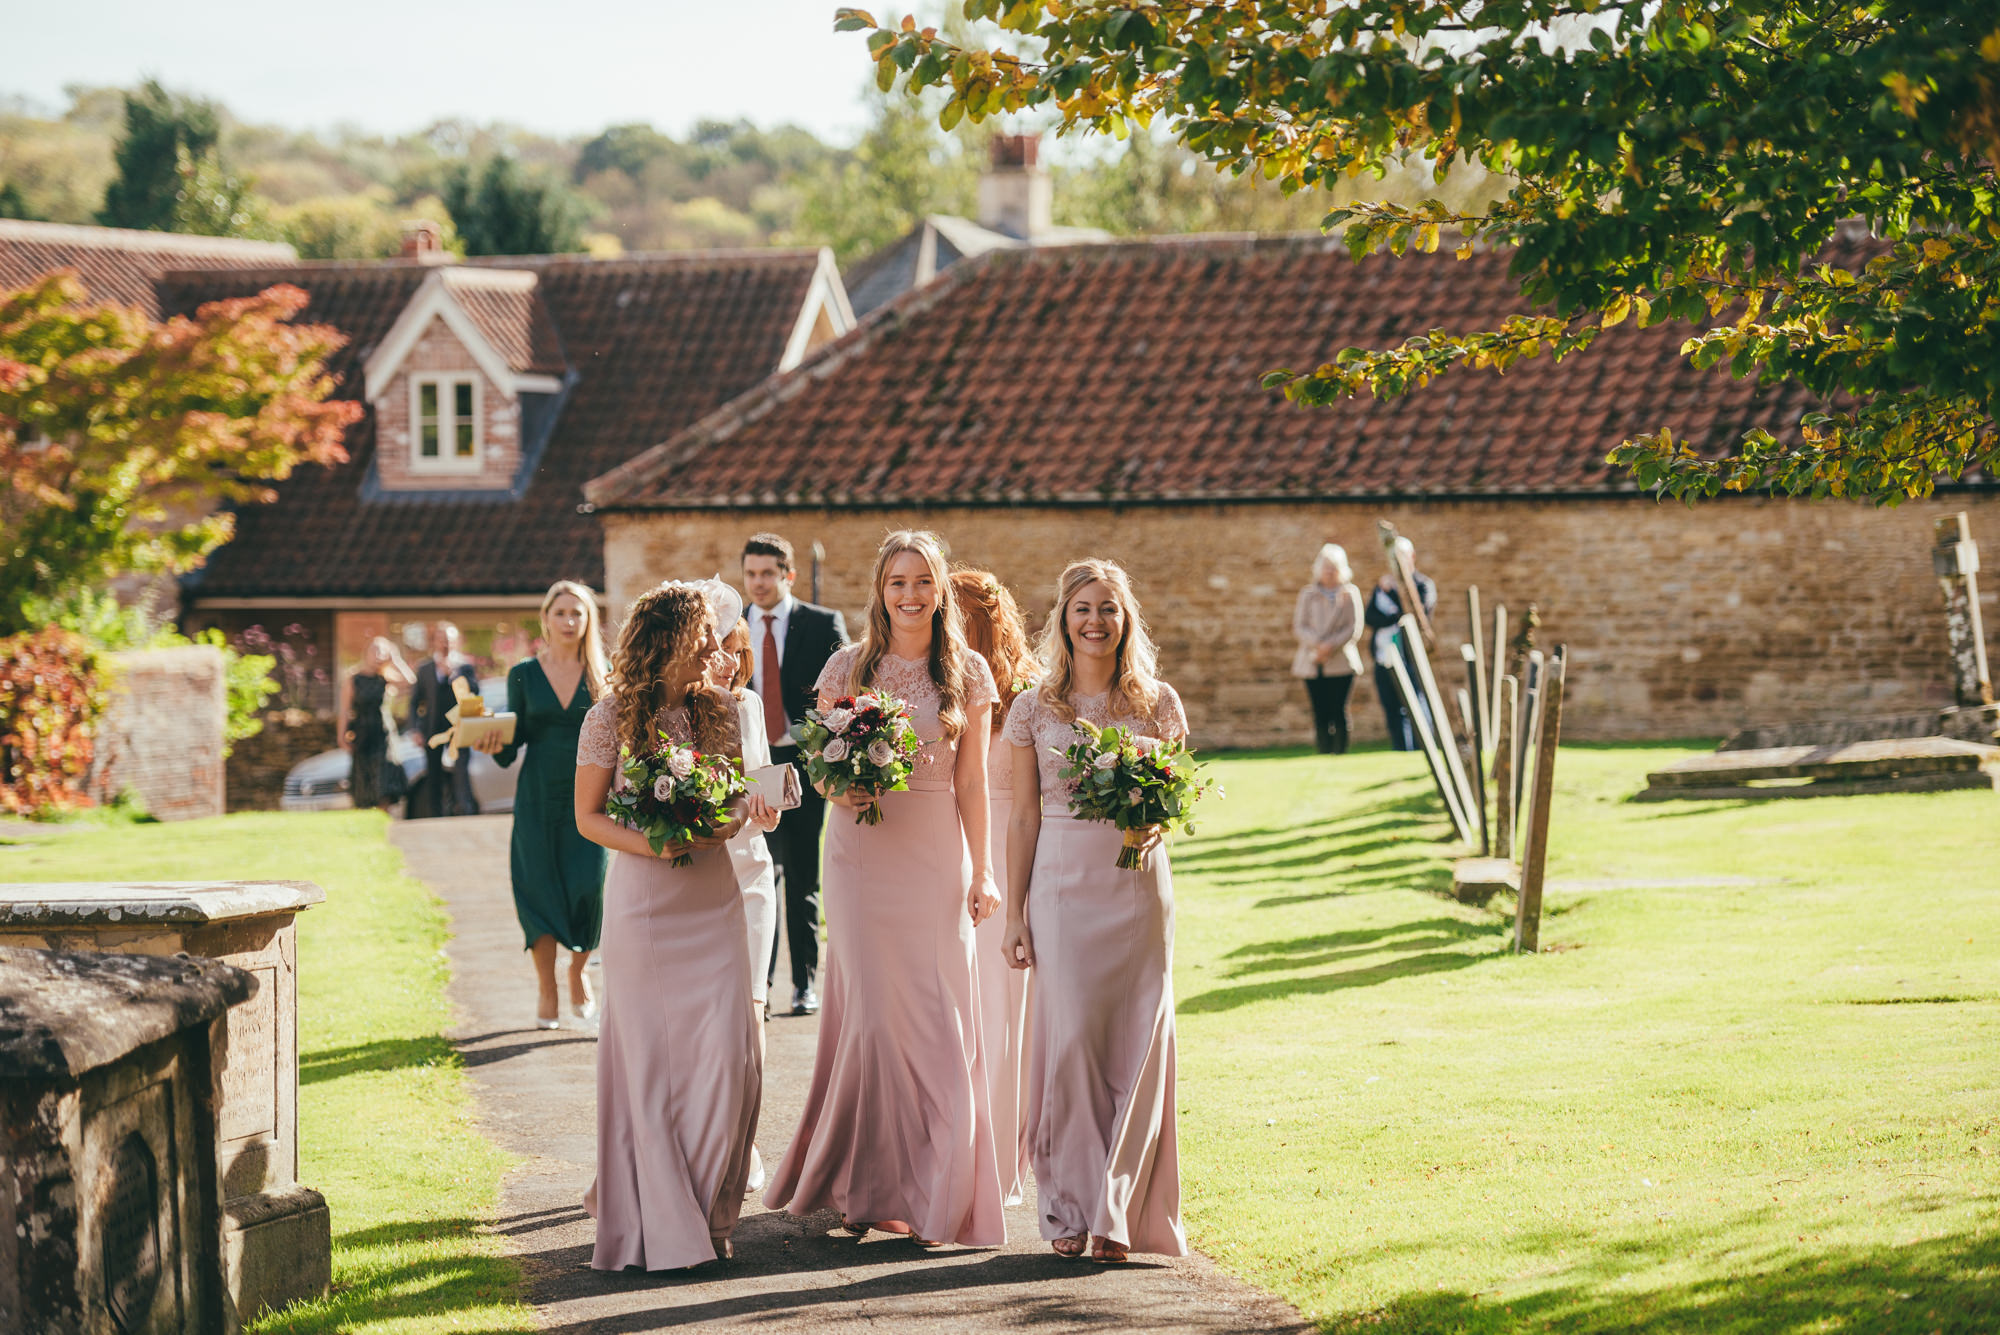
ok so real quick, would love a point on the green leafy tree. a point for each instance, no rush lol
(1688, 160)
(14, 204)
(503, 209)
(164, 133)
(904, 167)
(121, 437)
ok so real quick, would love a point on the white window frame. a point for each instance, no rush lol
(448, 421)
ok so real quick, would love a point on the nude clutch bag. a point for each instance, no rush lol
(777, 785)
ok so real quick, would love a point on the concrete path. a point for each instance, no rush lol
(536, 1095)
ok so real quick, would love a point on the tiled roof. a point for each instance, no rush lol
(118, 265)
(1130, 372)
(511, 316)
(656, 341)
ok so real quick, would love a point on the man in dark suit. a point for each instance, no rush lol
(798, 637)
(442, 791)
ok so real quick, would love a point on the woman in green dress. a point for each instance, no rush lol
(558, 874)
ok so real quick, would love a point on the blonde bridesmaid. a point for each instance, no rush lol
(895, 1133)
(678, 1079)
(1100, 940)
(994, 630)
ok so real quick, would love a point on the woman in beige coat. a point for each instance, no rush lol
(1327, 624)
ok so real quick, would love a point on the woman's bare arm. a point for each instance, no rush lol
(974, 815)
(1024, 831)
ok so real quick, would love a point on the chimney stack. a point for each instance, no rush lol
(423, 241)
(1016, 196)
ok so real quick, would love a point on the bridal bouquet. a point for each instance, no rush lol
(675, 794)
(1135, 783)
(865, 741)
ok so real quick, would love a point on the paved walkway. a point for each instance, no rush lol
(536, 1096)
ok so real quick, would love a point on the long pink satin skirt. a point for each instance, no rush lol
(1101, 1051)
(1004, 1002)
(895, 1123)
(679, 1082)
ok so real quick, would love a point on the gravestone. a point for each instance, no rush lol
(111, 1210)
(277, 1237)
(1955, 561)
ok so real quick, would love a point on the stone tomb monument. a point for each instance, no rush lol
(276, 1235)
(110, 1207)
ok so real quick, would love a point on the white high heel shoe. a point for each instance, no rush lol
(755, 1182)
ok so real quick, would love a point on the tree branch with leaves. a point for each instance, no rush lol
(1682, 161)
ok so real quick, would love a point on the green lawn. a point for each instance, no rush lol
(1752, 1083)
(385, 1122)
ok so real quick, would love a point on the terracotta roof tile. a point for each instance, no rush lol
(118, 265)
(1130, 372)
(656, 342)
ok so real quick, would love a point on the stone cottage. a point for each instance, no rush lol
(1034, 405)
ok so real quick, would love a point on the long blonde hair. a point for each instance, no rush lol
(948, 649)
(1135, 682)
(994, 630)
(659, 662)
(591, 648)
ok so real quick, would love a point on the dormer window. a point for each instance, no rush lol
(444, 412)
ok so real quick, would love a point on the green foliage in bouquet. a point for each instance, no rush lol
(1139, 789)
(675, 794)
(865, 742)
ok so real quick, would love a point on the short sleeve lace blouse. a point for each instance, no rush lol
(1032, 723)
(597, 740)
(909, 680)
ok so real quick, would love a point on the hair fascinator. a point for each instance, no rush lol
(725, 602)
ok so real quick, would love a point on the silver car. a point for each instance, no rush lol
(321, 782)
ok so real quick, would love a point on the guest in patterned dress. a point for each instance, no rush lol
(1100, 940)
(896, 1134)
(678, 1080)
(994, 631)
(558, 874)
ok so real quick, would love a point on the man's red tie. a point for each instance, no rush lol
(775, 722)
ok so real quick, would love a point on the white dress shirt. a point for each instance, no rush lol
(780, 618)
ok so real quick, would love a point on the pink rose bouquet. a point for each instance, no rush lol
(866, 742)
(1140, 785)
(674, 794)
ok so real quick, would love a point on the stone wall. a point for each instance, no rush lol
(163, 738)
(258, 765)
(1680, 623)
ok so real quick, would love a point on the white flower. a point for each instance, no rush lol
(835, 750)
(1106, 760)
(880, 752)
(680, 762)
(1132, 798)
(837, 721)
(663, 788)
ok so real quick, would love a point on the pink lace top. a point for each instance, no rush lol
(909, 680)
(1032, 723)
(597, 740)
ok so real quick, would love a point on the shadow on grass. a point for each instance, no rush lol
(1949, 1285)
(1278, 989)
(452, 1277)
(384, 1054)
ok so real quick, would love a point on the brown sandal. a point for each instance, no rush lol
(1108, 1252)
(858, 1230)
(1070, 1248)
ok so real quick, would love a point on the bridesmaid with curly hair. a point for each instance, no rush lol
(994, 631)
(679, 1082)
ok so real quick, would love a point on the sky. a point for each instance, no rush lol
(390, 66)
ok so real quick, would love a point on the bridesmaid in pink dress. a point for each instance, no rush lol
(1101, 941)
(678, 1077)
(994, 630)
(895, 1134)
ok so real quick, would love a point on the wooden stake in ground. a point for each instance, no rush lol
(1441, 718)
(1481, 728)
(1955, 558)
(1535, 844)
(1406, 583)
(1447, 790)
(1469, 712)
(1503, 765)
(1524, 741)
(1496, 668)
